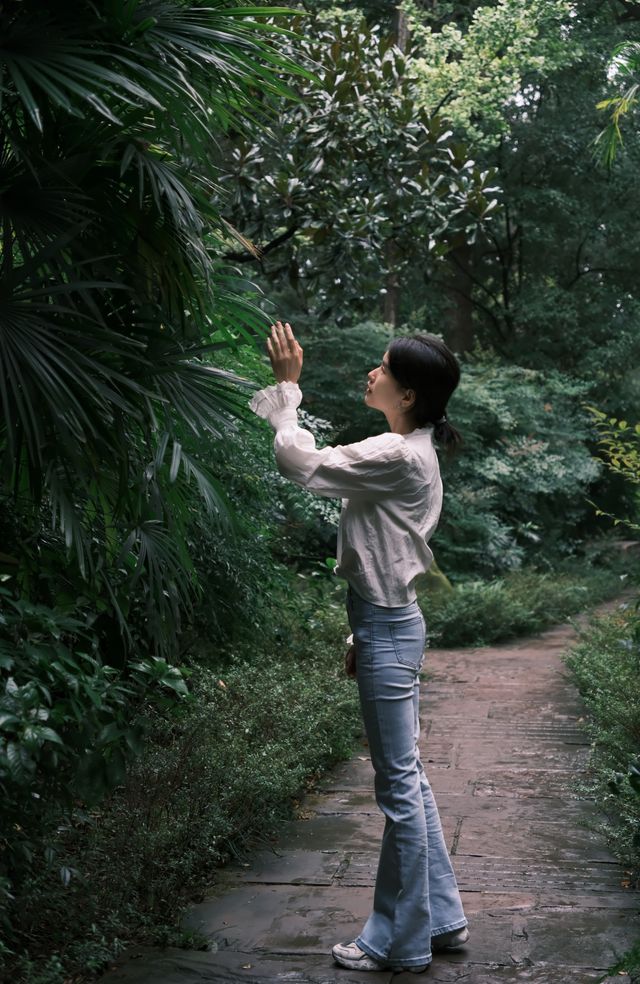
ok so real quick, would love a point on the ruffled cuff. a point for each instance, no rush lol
(277, 404)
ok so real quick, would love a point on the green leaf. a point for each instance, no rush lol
(20, 762)
(6, 719)
(48, 734)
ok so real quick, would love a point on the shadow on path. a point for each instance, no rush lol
(503, 747)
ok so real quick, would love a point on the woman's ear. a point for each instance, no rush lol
(409, 399)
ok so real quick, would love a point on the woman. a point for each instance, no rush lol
(392, 495)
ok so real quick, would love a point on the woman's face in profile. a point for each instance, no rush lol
(383, 392)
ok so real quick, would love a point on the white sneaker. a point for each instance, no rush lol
(351, 956)
(450, 941)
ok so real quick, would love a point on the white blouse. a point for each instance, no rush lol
(390, 489)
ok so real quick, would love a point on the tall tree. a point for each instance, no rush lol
(552, 281)
(357, 183)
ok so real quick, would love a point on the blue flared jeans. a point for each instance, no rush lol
(416, 896)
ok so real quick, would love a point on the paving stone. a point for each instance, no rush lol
(540, 783)
(287, 867)
(571, 811)
(495, 974)
(281, 918)
(528, 753)
(332, 831)
(591, 938)
(537, 874)
(236, 967)
(503, 744)
(510, 837)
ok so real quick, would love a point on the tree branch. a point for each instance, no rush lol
(246, 257)
(583, 273)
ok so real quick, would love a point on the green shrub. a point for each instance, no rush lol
(619, 445)
(606, 666)
(478, 613)
(518, 488)
(210, 781)
(65, 718)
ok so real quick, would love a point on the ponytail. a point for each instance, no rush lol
(447, 436)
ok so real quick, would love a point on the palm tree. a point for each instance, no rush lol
(113, 297)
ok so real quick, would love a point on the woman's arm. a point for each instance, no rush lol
(372, 468)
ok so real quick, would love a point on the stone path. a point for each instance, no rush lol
(503, 745)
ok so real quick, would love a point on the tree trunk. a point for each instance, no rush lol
(391, 297)
(459, 332)
(401, 29)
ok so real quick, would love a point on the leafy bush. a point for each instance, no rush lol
(66, 718)
(116, 294)
(606, 666)
(115, 297)
(519, 486)
(228, 770)
(478, 613)
(619, 444)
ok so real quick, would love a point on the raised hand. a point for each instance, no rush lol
(285, 353)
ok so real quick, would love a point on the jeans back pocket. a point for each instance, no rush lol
(409, 637)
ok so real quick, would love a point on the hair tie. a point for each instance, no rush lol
(443, 419)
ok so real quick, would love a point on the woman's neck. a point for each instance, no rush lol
(400, 423)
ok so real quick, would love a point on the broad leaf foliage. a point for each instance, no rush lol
(113, 295)
(358, 182)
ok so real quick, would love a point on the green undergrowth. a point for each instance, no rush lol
(478, 613)
(222, 776)
(606, 667)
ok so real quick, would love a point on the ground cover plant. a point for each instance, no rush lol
(606, 666)
(209, 783)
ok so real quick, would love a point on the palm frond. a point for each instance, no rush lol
(625, 62)
(114, 297)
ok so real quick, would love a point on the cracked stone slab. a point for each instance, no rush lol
(285, 867)
(538, 874)
(331, 831)
(172, 966)
(513, 753)
(509, 837)
(289, 918)
(485, 810)
(495, 974)
(541, 783)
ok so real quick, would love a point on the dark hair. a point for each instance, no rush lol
(424, 364)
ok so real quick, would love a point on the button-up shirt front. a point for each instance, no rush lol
(391, 495)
